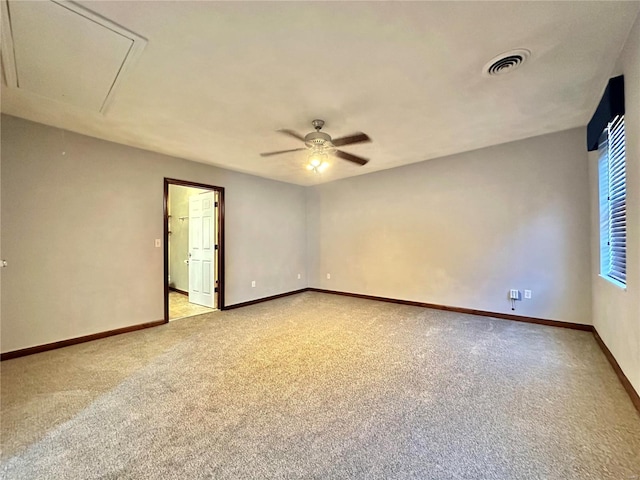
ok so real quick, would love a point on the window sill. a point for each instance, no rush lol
(614, 282)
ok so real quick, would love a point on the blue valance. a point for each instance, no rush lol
(610, 106)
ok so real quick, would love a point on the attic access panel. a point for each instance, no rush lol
(64, 52)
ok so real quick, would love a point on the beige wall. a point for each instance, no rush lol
(463, 230)
(78, 230)
(616, 312)
(179, 237)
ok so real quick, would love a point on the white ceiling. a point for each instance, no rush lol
(216, 80)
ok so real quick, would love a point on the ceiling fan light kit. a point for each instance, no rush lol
(318, 161)
(321, 145)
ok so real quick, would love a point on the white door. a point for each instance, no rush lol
(202, 249)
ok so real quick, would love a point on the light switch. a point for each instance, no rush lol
(158, 243)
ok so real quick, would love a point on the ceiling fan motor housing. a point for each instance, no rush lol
(318, 140)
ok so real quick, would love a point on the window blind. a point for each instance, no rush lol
(613, 201)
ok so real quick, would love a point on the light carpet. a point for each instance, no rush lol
(322, 386)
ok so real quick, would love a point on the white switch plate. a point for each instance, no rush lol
(328, 276)
(158, 243)
(527, 294)
(299, 276)
(253, 283)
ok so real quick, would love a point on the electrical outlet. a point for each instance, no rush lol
(328, 276)
(253, 283)
(527, 294)
(514, 294)
(299, 276)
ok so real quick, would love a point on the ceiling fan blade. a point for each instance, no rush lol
(268, 154)
(355, 138)
(351, 158)
(292, 133)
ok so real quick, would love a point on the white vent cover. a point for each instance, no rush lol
(506, 62)
(64, 52)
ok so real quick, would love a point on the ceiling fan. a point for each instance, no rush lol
(321, 143)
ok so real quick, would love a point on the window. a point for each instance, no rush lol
(613, 202)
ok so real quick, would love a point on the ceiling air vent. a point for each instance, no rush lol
(506, 62)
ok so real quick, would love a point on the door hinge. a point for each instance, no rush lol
(215, 290)
(216, 247)
(215, 204)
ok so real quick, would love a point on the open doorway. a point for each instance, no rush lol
(193, 248)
